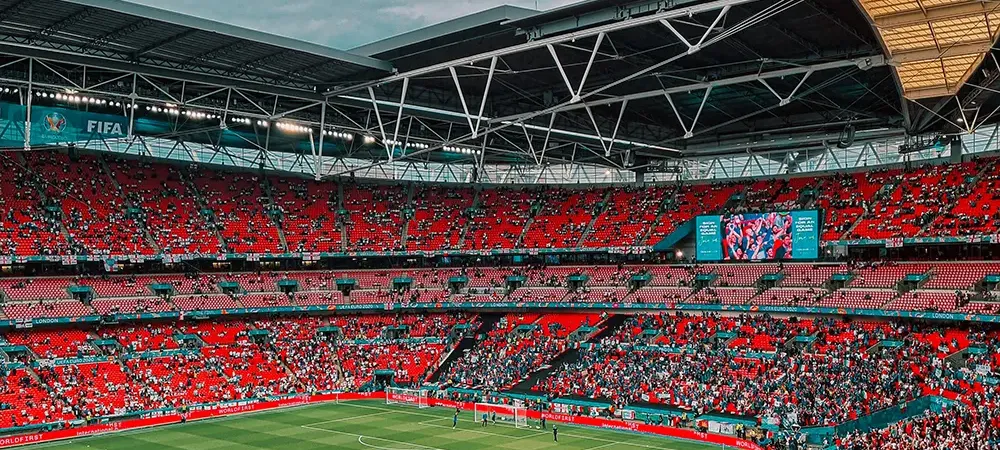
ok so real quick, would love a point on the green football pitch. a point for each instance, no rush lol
(364, 425)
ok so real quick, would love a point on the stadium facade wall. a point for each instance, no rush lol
(506, 306)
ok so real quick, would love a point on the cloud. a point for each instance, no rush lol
(342, 24)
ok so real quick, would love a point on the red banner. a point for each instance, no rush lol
(207, 412)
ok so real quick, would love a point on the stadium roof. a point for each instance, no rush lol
(936, 44)
(138, 34)
(617, 83)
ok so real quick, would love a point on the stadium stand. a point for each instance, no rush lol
(169, 206)
(375, 217)
(438, 217)
(307, 214)
(27, 228)
(95, 215)
(236, 202)
(151, 207)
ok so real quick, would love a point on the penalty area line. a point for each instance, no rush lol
(345, 419)
(486, 433)
(567, 434)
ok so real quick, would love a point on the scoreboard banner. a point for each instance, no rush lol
(790, 235)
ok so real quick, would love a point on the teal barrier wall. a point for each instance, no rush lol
(672, 239)
(879, 419)
(441, 306)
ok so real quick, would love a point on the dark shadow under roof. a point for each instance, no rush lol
(445, 33)
(138, 34)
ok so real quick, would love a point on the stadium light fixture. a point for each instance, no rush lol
(339, 134)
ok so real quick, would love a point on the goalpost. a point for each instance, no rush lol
(506, 414)
(410, 397)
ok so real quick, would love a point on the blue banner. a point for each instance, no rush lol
(708, 238)
(805, 234)
(50, 126)
(442, 306)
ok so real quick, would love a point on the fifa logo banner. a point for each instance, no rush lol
(60, 125)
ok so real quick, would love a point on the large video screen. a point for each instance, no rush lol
(758, 236)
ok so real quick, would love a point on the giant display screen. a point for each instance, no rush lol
(758, 236)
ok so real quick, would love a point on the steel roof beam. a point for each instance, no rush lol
(864, 63)
(16, 8)
(971, 48)
(217, 52)
(155, 45)
(74, 18)
(162, 72)
(119, 33)
(598, 17)
(540, 43)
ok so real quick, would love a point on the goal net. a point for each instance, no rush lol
(411, 397)
(505, 414)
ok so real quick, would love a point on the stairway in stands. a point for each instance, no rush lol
(487, 323)
(608, 328)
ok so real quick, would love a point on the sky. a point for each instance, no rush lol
(341, 24)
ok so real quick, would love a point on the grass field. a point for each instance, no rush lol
(364, 425)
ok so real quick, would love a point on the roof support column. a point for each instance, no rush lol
(461, 96)
(381, 126)
(586, 72)
(548, 132)
(531, 147)
(555, 57)
(27, 111)
(225, 111)
(131, 109)
(694, 48)
(486, 93)
(614, 134)
(689, 131)
(399, 114)
(782, 101)
(607, 151)
(318, 155)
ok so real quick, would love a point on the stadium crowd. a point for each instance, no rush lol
(848, 373)
(958, 427)
(784, 372)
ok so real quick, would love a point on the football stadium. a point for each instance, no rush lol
(612, 224)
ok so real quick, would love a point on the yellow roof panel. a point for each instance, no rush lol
(930, 4)
(908, 37)
(956, 69)
(960, 30)
(935, 44)
(884, 7)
